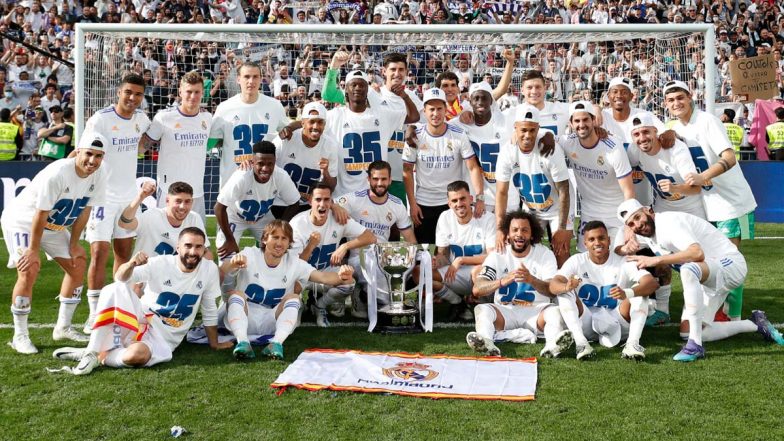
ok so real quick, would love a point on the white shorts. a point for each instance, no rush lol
(261, 320)
(53, 243)
(462, 284)
(239, 227)
(613, 226)
(102, 226)
(160, 351)
(726, 274)
(586, 320)
(516, 316)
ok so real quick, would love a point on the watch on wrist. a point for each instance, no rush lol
(480, 197)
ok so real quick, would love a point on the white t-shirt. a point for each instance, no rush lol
(474, 238)
(533, 176)
(597, 280)
(156, 236)
(377, 218)
(183, 148)
(729, 195)
(363, 138)
(332, 235)
(120, 157)
(596, 171)
(554, 116)
(249, 200)
(439, 161)
(265, 285)
(302, 162)
(397, 140)
(175, 296)
(59, 190)
(677, 231)
(540, 261)
(241, 125)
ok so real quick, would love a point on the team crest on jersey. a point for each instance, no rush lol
(666, 168)
(334, 234)
(92, 187)
(389, 216)
(600, 160)
(284, 279)
(274, 192)
(449, 146)
(266, 116)
(497, 135)
(204, 125)
(410, 372)
(555, 117)
(376, 123)
(478, 235)
(136, 126)
(199, 285)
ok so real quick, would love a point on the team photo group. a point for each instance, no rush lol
(561, 222)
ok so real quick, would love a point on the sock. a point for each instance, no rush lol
(114, 358)
(721, 330)
(484, 316)
(449, 296)
(335, 294)
(67, 308)
(552, 325)
(20, 310)
(237, 318)
(567, 304)
(92, 301)
(692, 300)
(287, 320)
(735, 303)
(637, 316)
(663, 298)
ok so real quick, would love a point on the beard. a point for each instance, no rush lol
(190, 262)
(522, 249)
(379, 191)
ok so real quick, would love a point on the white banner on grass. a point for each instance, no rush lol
(434, 376)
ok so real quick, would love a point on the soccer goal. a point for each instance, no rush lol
(577, 61)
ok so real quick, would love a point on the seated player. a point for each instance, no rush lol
(259, 284)
(519, 277)
(134, 332)
(601, 283)
(322, 242)
(710, 266)
(60, 196)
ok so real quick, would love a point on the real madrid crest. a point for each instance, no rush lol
(204, 125)
(389, 216)
(600, 160)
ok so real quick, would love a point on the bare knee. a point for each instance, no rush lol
(99, 252)
(137, 355)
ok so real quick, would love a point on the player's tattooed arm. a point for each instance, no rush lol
(487, 284)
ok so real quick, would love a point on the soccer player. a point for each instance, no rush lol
(553, 115)
(611, 292)
(519, 278)
(729, 202)
(541, 182)
(134, 332)
(182, 134)
(122, 125)
(263, 301)
(158, 229)
(710, 265)
(462, 243)
(244, 201)
(60, 196)
(324, 243)
(245, 119)
(441, 150)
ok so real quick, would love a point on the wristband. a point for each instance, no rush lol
(126, 220)
(629, 293)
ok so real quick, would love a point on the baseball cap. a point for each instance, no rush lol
(434, 93)
(482, 85)
(354, 74)
(675, 85)
(526, 113)
(627, 208)
(643, 120)
(94, 141)
(622, 81)
(314, 106)
(581, 106)
(608, 329)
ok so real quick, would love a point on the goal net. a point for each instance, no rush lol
(577, 61)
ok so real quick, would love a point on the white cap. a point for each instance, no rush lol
(482, 85)
(622, 81)
(581, 106)
(643, 120)
(314, 106)
(675, 85)
(434, 93)
(526, 113)
(607, 327)
(354, 74)
(93, 141)
(628, 208)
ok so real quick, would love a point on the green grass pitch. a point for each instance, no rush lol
(735, 393)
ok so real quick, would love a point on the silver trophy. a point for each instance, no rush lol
(396, 260)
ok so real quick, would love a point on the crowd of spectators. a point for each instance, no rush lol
(37, 73)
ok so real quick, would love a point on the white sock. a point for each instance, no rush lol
(238, 319)
(552, 325)
(336, 294)
(663, 298)
(692, 300)
(567, 304)
(114, 358)
(21, 310)
(484, 316)
(92, 301)
(67, 308)
(450, 296)
(721, 330)
(637, 315)
(287, 320)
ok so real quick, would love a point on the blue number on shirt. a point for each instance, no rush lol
(465, 251)
(164, 248)
(320, 256)
(700, 162)
(362, 149)
(488, 157)
(396, 142)
(65, 211)
(269, 297)
(517, 291)
(304, 178)
(174, 306)
(654, 180)
(591, 295)
(533, 188)
(253, 210)
(246, 136)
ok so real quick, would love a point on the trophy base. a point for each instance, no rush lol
(398, 320)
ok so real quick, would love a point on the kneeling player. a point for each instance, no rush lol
(263, 300)
(520, 278)
(133, 332)
(600, 279)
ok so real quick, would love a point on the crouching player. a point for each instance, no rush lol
(520, 278)
(259, 283)
(133, 332)
(612, 289)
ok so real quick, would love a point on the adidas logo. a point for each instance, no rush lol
(249, 192)
(167, 283)
(284, 279)
(166, 235)
(585, 275)
(255, 275)
(178, 126)
(292, 156)
(67, 190)
(236, 118)
(345, 126)
(115, 129)
(384, 103)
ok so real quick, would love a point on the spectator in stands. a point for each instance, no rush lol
(55, 139)
(10, 137)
